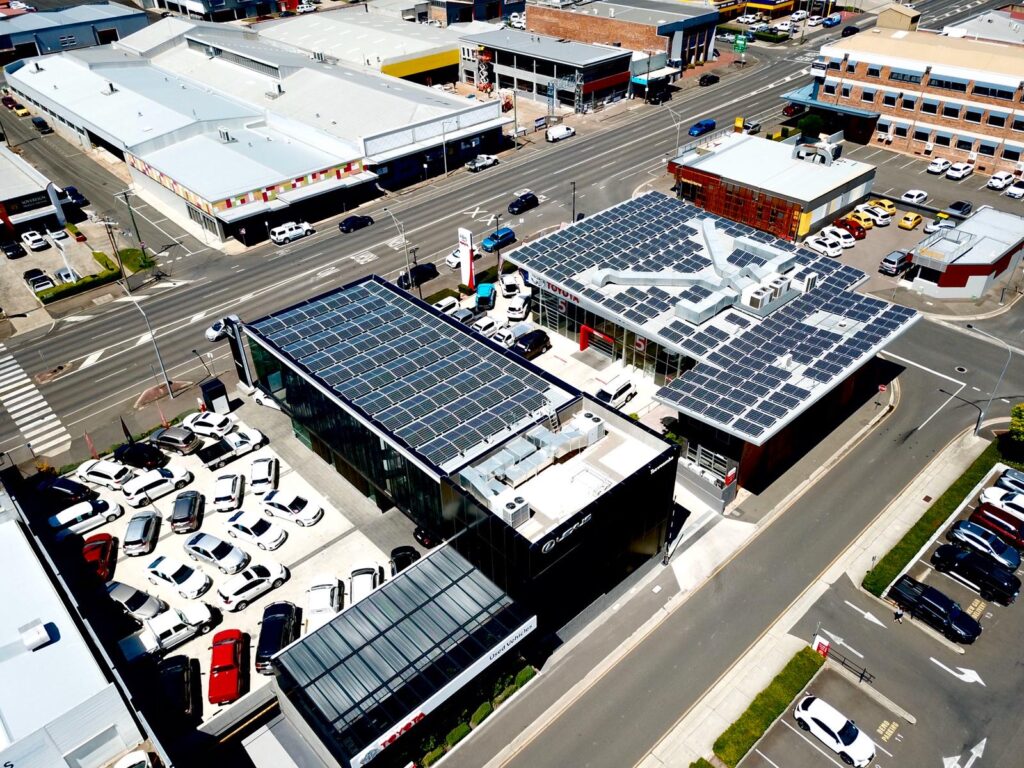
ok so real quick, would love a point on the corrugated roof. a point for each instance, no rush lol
(40, 20)
(549, 48)
(17, 177)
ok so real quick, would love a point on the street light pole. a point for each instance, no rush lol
(992, 394)
(135, 226)
(208, 372)
(405, 243)
(573, 200)
(156, 348)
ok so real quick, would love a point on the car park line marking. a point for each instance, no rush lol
(867, 615)
(908, 163)
(883, 749)
(767, 759)
(967, 675)
(800, 733)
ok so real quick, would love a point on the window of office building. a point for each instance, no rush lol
(901, 131)
(902, 76)
(889, 99)
(874, 70)
(851, 66)
(1012, 154)
(930, 107)
(996, 119)
(922, 135)
(951, 111)
(1018, 123)
(947, 84)
(972, 115)
(830, 89)
(987, 148)
(965, 145)
(868, 96)
(908, 102)
(942, 140)
(846, 91)
(992, 91)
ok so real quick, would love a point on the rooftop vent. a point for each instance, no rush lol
(224, 136)
(34, 635)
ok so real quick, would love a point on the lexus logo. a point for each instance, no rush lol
(550, 544)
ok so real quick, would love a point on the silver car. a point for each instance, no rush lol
(141, 535)
(222, 555)
(135, 602)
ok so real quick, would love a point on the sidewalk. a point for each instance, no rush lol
(695, 734)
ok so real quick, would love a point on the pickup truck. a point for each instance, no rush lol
(480, 162)
(167, 630)
(231, 446)
(935, 609)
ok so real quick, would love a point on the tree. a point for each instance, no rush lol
(1017, 426)
(811, 125)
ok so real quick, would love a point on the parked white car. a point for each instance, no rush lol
(305, 8)
(110, 474)
(155, 483)
(324, 598)
(1000, 180)
(938, 165)
(835, 731)
(824, 245)
(256, 529)
(136, 603)
(814, 21)
(362, 582)
(798, 16)
(209, 424)
(747, 18)
(240, 590)
(219, 329)
(188, 582)
(509, 285)
(845, 239)
(959, 171)
(34, 241)
(263, 475)
(879, 217)
(518, 307)
(84, 516)
(227, 492)
(292, 507)
(915, 196)
(559, 132)
(1015, 190)
(486, 326)
(447, 305)
(222, 555)
(292, 230)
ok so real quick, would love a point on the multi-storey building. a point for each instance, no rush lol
(925, 94)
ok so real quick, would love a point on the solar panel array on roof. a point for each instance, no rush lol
(434, 386)
(372, 666)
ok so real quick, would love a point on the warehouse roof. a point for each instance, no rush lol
(655, 13)
(17, 177)
(773, 327)
(548, 48)
(441, 391)
(990, 25)
(80, 14)
(772, 166)
(38, 685)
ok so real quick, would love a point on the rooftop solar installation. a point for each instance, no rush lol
(379, 662)
(434, 385)
(756, 369)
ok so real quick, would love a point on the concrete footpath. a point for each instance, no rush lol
(696, 731)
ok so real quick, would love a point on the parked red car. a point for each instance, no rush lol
(852, 227)
(98, 552)
(226, 667)
(792, 109)
(8, 101)
(1005, 525)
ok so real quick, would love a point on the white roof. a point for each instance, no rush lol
(44, 20)
(771, 166)
(983, 239)
(17, 177)
(37, 686)
(360, 38)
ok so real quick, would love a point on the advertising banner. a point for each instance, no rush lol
(466, 257)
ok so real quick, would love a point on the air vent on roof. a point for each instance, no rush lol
(36, 67)
(34, 635)
(109, 89)
(224, 136)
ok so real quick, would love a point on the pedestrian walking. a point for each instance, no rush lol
(898, 615)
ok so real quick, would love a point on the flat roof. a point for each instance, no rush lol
(358, 37)
(989, 25)
(648, 12)
(772, 327)
(79, 14)
(982, 239)
(772, 166)
(548, 48)
(436, 388)
(399, 652)
(981, 60)
(41, 685)
(17, 177)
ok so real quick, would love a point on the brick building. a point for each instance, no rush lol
(685, 33)
(925, 94)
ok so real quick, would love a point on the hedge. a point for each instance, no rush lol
(432, 757)
(134, 261)
(700, 762)
(444, 293)
(104, 260)
(739, 737)
(481, 714)
(770, 37)
(87, 283)
(524, 676)
(457, 734)
(888, 568)
(502, 697)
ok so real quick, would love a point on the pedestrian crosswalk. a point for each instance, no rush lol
(27, 408)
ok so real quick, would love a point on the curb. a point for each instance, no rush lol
(983, 316)
(889, 605)
(870, 690)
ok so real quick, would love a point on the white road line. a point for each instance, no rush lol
(767, 759)
(92, 359)
(28, 415)
(42, 428)
(12, 400)
(111, 375)
(944, 404)
(147, 336)
(922, 367)
(15, 380)
(799, 733)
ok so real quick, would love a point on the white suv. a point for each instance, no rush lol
(617, 392)
(1015, 190)
(959, 171)
(1000, 180)
(878, 217)
(110, 474)
(154, 484)
(291, 230)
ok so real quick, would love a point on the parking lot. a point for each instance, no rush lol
(786, 745)
(331, 548)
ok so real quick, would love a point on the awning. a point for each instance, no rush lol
(321, 187)
(436, 141)
(805, 96)
(237, 212)
(657, 74)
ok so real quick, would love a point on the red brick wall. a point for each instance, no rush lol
(587, 28)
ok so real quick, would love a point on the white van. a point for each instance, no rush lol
(559, 132)
(289, 231)
(510, 335)
(617, 392)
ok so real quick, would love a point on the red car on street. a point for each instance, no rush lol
(98, 552)
(226, 667)
(8, 101)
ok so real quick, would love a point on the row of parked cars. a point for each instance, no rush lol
(982, 553)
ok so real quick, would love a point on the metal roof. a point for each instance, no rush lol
(687, 279)
(436, 388)
(398, 652)
(548, 48)
(983, 239)
(666, 16)
(41, 685)
(17, 177)
(80, 14)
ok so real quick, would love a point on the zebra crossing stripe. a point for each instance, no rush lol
(28, 409)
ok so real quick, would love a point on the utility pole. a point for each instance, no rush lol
(152, 336)
(108, 224)
(999, 382)
(515, 120)
(135, 226)
(573, 200)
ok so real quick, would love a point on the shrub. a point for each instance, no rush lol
(134, 261)
(524, 676)
(507, 268)
(502, 697)
(1016, 434)
(504, 681)
(72, 229)
(432, 757)
(700, 762)
(739, 737)
(442, 294)
(87, 283)
(770, 37)
(811, 125)
(784, 132)
(481, 714)
(457, 734)
(104, 260)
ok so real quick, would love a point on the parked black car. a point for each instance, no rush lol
(41, 125)
(532, 345)
(524, 202)
(402, 558)
(188, 512)
(421, 273)
(991, 581)
(74, 196)
(426, 537)
(850, 30)
(935, 609)
(708, 79)
(960, 207)
(176, 688)
(352, 223)
(60, 493)
(12, 250)
(140, 455)
(280, 626)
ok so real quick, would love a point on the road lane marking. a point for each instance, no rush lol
(800, 733)
(92, 359)
(21, 401)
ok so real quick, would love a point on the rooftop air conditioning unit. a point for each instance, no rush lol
(805, 282)
(758, 298)
(515, 511)
(224, 136)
